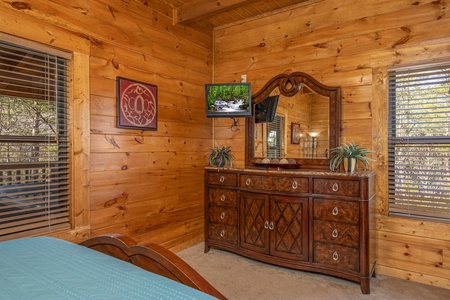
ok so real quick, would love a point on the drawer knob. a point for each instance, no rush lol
(248, 182)
(222, 233)
(335, 233)
(222, 179)
(222, 198)
(335, 187)
(271, 226)
(295, 185)
(222, 215)
(335, 256)
(266, 224)
(335, 211)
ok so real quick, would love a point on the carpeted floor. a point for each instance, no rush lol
(239, 278)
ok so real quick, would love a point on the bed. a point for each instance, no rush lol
(50, 268)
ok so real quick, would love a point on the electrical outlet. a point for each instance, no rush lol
(244, 78)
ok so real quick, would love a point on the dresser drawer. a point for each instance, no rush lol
(275, 183)
(348, 188)
(223, 215)
(224, 233)
(221, 178)
(337, 256)
(336, 211)
(336, 233)
(223, 197)
(285, 184)
(251, 181)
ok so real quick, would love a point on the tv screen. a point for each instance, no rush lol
(266, 109)
(228, 100)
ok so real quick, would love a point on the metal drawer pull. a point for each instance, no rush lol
(266, 224)
(335, 233)
(271, 226)
(222, 233)
(222, 198)
(335, 187)
(335, 256)
(295, 185)
(248, 181)
(222, 178)
(222, 215)
(335, 211)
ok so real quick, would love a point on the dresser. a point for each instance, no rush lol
(307, 220)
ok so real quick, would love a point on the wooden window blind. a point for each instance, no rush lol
(419, 142)
(34, 141)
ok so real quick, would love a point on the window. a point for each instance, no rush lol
(275, 137)
(419, 142)
(34, 141)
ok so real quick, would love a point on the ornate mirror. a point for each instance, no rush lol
(302, 129)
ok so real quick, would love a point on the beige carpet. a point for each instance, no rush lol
(239, 278)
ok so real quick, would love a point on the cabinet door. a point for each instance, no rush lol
(254, 221)
(289, 227)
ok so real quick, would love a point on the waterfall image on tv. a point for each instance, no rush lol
(228, 100)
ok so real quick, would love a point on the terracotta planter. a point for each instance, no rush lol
(349, 165)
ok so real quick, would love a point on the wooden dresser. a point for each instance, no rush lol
(306, 220)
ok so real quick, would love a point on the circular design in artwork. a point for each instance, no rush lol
(138, 105)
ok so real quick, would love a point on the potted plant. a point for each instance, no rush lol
(349, 154)
(221, 157)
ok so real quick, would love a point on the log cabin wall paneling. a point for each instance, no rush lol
(350, 44)
(149, 184)
(146, 184)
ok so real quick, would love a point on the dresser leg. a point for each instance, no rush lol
(365, 285)
(207, 248)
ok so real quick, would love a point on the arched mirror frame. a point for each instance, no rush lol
(289, 85)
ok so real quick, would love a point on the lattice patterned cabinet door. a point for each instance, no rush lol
(254, 220)
(289, 232)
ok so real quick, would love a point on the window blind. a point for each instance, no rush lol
(275, 137)
(34, 142)
(419, 142)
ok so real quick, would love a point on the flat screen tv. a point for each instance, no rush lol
(228, 100)
(266, 109)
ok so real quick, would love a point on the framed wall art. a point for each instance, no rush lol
(137, 104)
(295, 133)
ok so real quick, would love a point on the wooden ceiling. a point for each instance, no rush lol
(209, 14)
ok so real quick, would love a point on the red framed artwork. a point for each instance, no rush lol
(137, 105)
(295, 133)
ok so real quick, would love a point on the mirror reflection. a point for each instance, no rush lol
(300, 130)
(298, 127)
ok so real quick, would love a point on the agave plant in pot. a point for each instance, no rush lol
(221, 157)
(349, 155)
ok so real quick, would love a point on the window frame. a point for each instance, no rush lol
(278, 142)
(35, 168)
(79, 108)
(405, 193)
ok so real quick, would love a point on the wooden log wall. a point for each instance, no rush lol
(146, 184)
(149, 184)
(350, 43)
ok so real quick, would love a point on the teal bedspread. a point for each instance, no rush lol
(49, 268)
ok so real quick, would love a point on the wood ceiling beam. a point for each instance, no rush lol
(198, 10)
